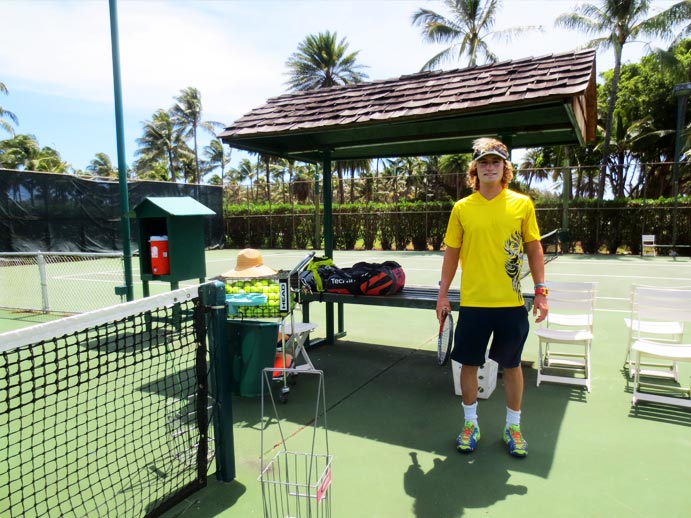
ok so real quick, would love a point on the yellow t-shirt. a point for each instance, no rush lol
(490, 234)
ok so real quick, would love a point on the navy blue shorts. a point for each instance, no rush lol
(508, 328)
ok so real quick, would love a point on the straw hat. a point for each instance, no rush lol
(249, 263)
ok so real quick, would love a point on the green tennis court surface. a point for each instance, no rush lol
(393, 415)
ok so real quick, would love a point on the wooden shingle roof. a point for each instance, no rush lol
(548, 100)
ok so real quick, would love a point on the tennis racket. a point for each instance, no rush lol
(445, 339)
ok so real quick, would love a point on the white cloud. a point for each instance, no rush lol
(48, 48)
(164, 47)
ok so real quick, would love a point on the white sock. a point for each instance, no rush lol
(470, 413)
(512, 417)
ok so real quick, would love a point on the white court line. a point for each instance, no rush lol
(671, 264)
(68, 276)
(609, 276)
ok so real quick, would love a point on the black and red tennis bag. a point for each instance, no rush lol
(384, 278)
(362, 278)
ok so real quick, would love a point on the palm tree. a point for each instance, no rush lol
(614, 23)
(278, 175)
(23, 152)
(302, 185)
(162, 142)
(49, 160)
(467, 28)
(269, 162)
(216, 156)
(533, 166)
(663, 24)
(156, 172)
(244, 171)
(102, 166)
(321, 62)
(395, 171)
(187, 115)
(16, 152)
(5, 114)
(452, 177)
(290, 168)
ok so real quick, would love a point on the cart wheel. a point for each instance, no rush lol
(283, 398)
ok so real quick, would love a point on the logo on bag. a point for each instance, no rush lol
(283, 295)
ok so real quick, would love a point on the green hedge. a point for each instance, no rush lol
(615, 225)
(609, 226)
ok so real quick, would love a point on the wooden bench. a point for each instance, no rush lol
(418, 297)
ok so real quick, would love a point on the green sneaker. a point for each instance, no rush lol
(518, 447)
(467, 441)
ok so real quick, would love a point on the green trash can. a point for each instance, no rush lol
(253, 348)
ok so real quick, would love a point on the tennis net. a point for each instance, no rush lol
(105, 413)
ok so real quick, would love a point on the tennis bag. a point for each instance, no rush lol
(362, 278)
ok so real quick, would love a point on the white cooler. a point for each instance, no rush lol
(486, 375)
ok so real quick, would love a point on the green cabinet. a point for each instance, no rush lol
(181, 221)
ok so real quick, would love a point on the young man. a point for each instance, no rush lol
(488, 232)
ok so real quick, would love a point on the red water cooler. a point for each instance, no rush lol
(160, 263)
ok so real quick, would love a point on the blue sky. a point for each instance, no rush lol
(55, 56)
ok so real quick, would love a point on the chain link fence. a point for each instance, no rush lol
(60, 282)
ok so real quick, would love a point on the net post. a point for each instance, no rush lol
(220, 380)
(41, 262)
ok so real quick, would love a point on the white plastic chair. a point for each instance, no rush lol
(651, 320)
(674, 307)
(648, 245)
(565, 336)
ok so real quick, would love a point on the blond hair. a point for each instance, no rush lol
(489, 146)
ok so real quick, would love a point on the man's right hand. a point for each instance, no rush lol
(443, 307)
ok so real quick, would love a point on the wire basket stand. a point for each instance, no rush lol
(296, 484)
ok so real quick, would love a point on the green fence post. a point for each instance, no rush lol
(220, 379)
(328, 237)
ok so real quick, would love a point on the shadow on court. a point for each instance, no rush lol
(399, 396)
(454, 484)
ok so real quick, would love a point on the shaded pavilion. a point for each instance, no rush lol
(531, 102)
